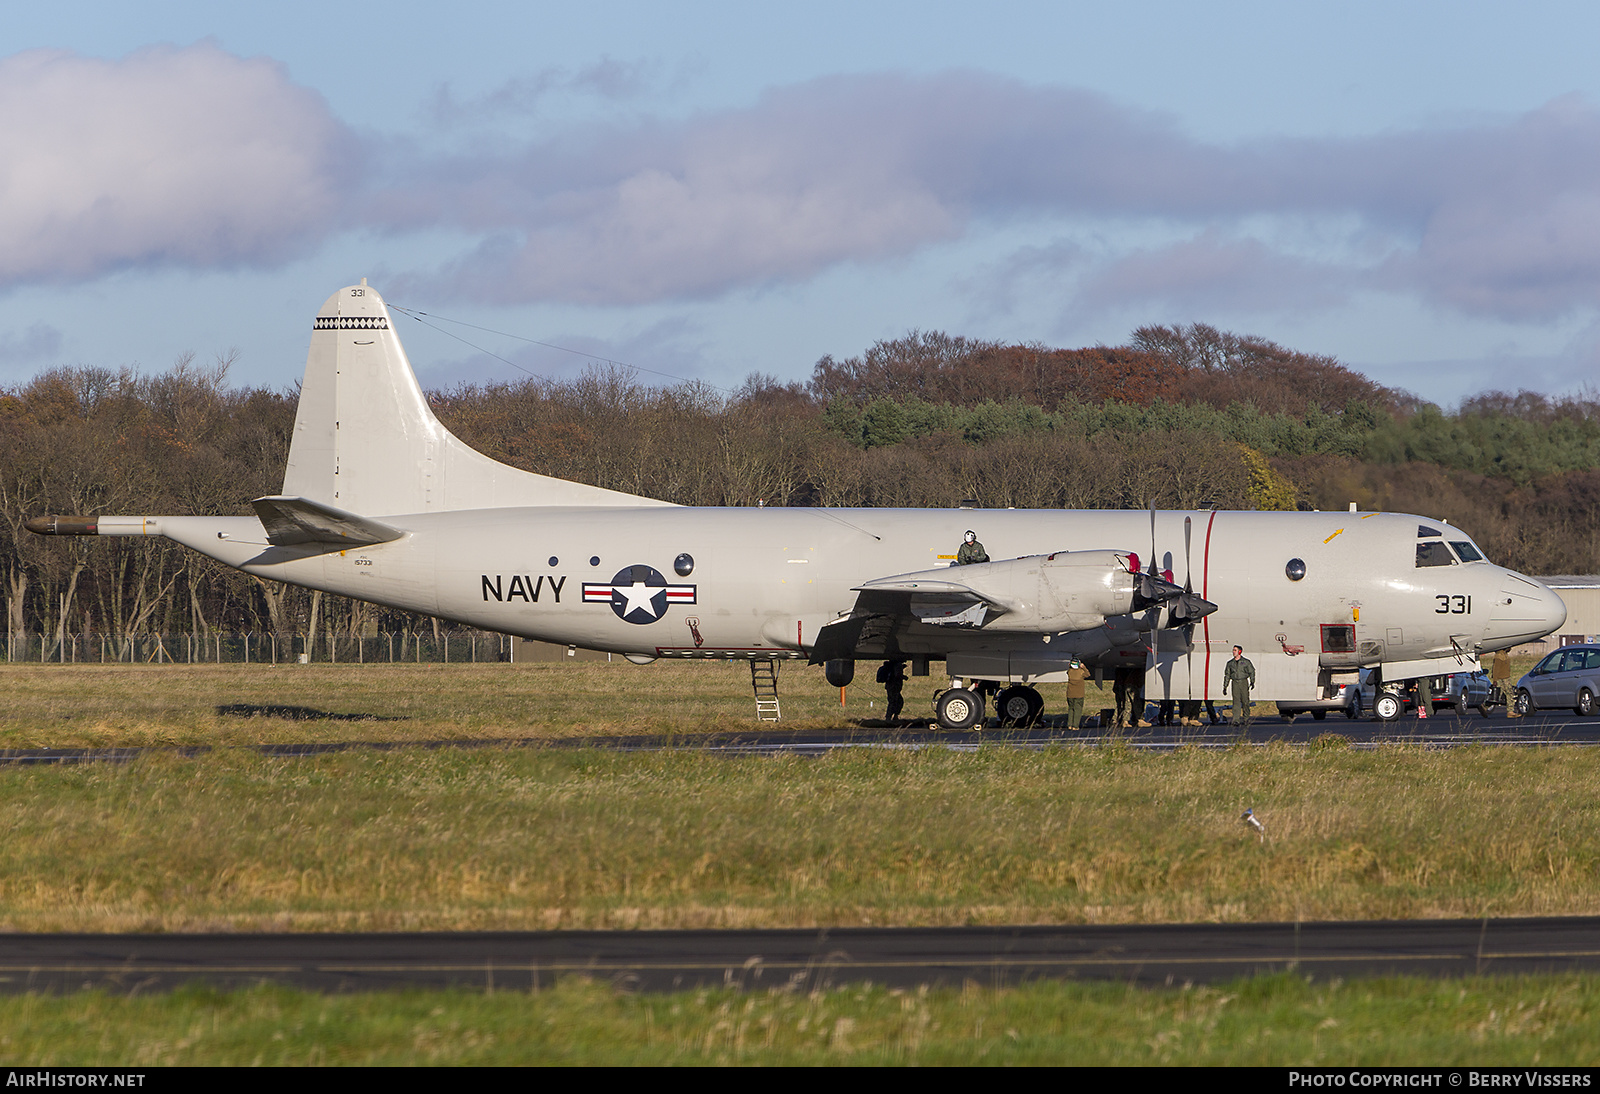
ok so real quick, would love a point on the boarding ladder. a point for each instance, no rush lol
(764, 682)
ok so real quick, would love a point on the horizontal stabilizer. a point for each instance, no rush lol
(301, 520)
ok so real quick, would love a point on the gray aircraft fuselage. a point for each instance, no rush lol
(765, 580)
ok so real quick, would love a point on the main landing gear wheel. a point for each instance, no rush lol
(1018, 706)
(1319, 715)
(1387, 707)
(958, 708)
(1585, 704)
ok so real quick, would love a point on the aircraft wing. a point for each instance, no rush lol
(941, 603)
(1006, 602)
(291, 520)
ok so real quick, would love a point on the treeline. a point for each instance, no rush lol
(1188, 417)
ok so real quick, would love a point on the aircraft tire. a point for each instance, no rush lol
(958, 708)
(1585, 704)
(1018, 706)
(1387, 707)
(1319, 715)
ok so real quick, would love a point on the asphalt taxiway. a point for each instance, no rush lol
(1449, 730)
(800, 960)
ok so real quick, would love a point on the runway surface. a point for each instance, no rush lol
(800, 960)
(1440, 731)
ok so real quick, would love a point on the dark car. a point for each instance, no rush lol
(1569, 677)
(1461, 690)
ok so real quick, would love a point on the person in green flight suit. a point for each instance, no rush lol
(1240, 673)
(971, 550)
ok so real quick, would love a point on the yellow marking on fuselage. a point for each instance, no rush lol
(1330, 538)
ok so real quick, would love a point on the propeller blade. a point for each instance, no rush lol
(1188, 566)
(1188, 588)
(1153, 537)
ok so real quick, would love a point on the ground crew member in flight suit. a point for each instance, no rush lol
(1500, 677)
(1424, 696)
(1127, 684)
(1077, 689)
(1119, 690)
(971, 550)
(1241, 674)
(893, 678)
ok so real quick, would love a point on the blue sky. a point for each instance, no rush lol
(706, 190)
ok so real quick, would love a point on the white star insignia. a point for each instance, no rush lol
(639, 595)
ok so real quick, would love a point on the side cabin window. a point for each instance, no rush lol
(1434, 553)
(1467, 551)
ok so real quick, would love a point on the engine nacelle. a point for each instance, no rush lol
(1062, 591)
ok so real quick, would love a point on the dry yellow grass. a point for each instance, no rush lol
(62, 706)
(58, 706)
(534, 839)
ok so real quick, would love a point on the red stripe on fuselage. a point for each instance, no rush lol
(1205, 593)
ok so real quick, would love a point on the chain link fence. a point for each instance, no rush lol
(449, 647)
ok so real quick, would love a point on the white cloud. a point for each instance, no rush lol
(1499, 218)
(197, 159)
(192, 157)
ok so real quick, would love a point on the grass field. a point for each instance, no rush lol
(534, 838)
(61, 706)
(1273, 1020)
(531, 838)
(57, 706)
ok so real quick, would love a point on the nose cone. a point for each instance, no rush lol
(1525, 611)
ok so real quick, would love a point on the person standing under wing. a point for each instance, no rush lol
(1240, 673)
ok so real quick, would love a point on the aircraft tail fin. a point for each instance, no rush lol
(366, 441)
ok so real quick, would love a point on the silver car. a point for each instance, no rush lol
(1569, 677)
(1350, 698)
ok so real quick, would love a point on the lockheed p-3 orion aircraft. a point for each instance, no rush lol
(382, 503)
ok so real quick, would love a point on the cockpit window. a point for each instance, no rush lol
(1466, 550)
(1434, 553)
(1424, 532)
